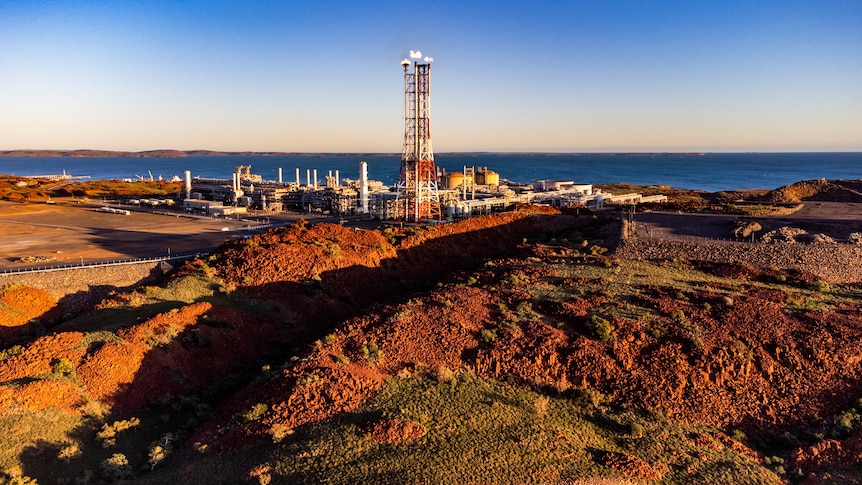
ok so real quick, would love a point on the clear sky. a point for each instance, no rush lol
(324, 76)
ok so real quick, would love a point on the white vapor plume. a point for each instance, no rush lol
(415, 54)
(429, 59)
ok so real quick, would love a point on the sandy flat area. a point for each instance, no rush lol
(72, 233)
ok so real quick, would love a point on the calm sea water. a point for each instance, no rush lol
(710, 172)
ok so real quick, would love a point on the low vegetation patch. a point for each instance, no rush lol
(487, 432)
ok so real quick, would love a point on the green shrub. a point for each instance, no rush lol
(108, 434)
(597, 250)
(592, 397)
(371, 353)
(677, 315)
(116, 467)
(601, 328)
(341, 359)
(820, 286)
(541, 405)
(6, 353)
(63, 367)
(847, 421)
(256, 412)
(488, 336)
(524, 309)
(445, 374)
(516, 279)
(402, 314)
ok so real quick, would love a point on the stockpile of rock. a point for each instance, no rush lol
(795, 235)
(36, 259)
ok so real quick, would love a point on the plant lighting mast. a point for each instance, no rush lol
(418, 198)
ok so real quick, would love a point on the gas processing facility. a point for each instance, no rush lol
(423, 193)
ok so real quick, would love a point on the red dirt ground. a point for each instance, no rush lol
(748, 364)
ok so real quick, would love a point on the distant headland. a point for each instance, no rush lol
(150, 153)
(85, 153)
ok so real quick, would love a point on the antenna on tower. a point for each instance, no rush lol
(418, 198)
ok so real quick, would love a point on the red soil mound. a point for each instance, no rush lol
(631, 466)
(40, 356)
(41, 394)
(165, 355)
(396, 431)
(828, 454)
(198, 342)
(745, 362)
(111, 368)
(19, 306)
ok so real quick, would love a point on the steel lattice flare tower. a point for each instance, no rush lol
(418, 198)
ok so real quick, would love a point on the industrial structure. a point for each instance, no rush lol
(418, 198)
(415, 198)
(467, 193)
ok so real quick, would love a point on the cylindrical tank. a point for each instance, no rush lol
(454, 180)
(487, 177)
(450, 210)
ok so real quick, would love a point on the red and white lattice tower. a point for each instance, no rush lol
(418, 199)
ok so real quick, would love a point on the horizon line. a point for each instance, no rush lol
(83, 152)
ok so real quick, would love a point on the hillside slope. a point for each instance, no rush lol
(287, 352)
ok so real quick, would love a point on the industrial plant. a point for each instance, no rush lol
(423, 193)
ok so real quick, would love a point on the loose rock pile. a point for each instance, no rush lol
(36, 259)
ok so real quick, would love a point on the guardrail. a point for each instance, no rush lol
(66, 267)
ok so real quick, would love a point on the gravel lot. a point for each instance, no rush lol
(701, 237)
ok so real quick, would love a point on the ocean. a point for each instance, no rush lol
(710, 172)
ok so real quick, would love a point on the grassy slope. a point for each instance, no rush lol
(482, 431)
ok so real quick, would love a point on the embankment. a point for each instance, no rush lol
(79, 289)
(834, 263)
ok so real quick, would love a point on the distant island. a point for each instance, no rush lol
(84, 153)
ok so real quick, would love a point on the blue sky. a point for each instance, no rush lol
(324, 76)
